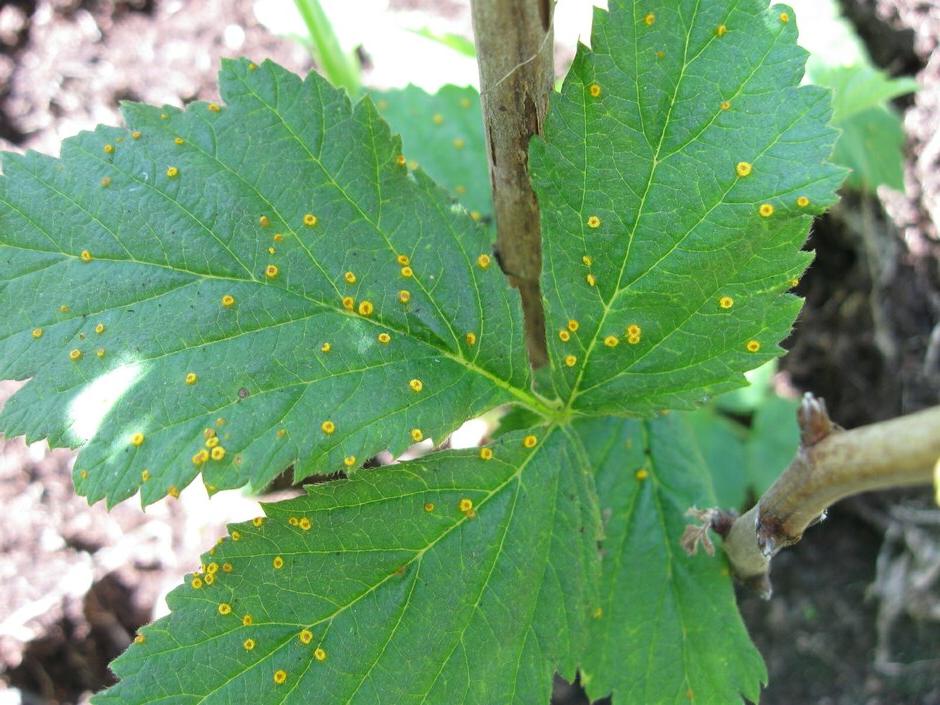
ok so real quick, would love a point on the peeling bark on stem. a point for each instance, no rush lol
(830, 464)
(514, 41)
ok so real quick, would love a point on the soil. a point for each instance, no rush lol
(855, 616)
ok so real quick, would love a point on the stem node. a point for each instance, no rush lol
(830, 464)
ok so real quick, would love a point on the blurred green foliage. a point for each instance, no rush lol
(747, 437)
(872, 139)
(338, 67)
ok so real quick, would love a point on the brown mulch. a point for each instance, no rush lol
(76, 580)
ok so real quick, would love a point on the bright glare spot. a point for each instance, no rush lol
(470, 435)
(234, 37)
(89, 408)
(398, 55)
(827, 34)
(936, 481)
(573, 21)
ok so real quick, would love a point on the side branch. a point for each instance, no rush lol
(830, 464)
(514, 41)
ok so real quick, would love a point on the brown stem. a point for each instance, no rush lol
(514, 42)
(831, 464)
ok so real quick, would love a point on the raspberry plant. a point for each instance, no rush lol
(235, 289)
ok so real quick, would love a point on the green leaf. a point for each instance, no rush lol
(858, 88)
(871, 145)
(166, 246)
(667, 629)
(744, 400)
(443, 134)
(722, 443)
(747, 437)
(516, 418)
(637, 172)
(872, 139)
(411, 599)
(772, 442)
(743, 459)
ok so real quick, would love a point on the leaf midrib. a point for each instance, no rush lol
(576, 389)
(519, 393)
(419, 554)
(315, 159)
(573, 395)
(705, 299)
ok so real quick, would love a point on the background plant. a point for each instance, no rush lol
(210, 210)
(871, 139)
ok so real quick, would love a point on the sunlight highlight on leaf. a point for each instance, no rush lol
(92, 405)
(274, 264)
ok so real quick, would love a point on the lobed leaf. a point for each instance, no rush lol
(665, 262)
(386, 589)
(269, 282)
(666, 629)
(116, 262)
